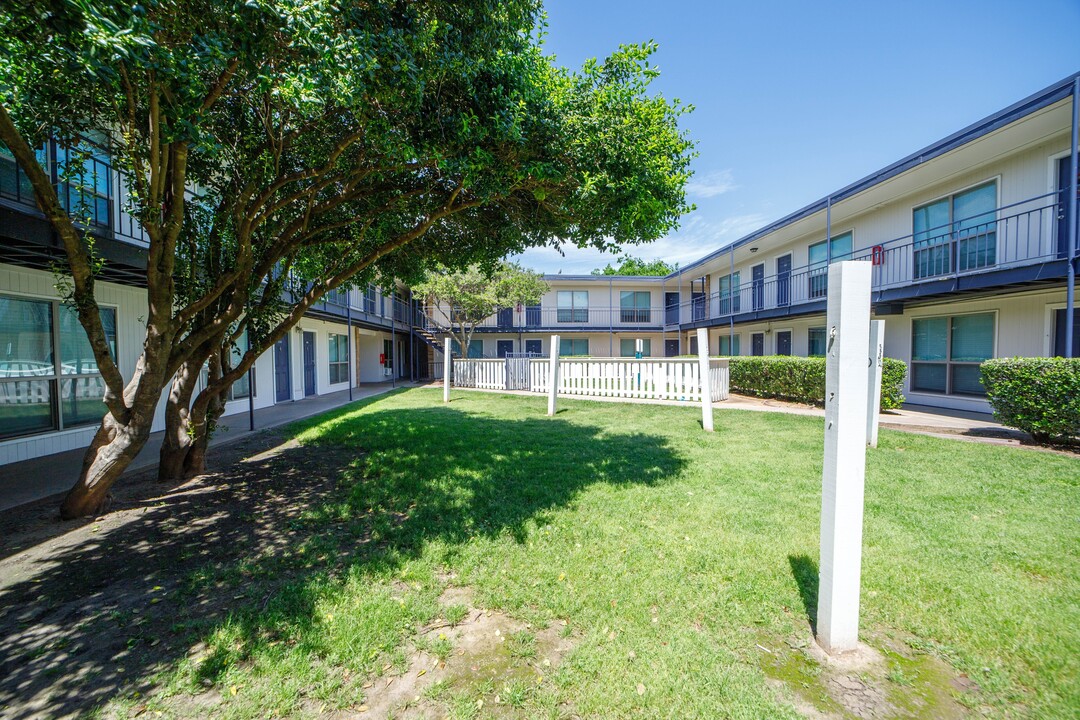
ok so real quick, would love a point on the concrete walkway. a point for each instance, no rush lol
(36, 479)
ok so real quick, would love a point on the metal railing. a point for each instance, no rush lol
(540, 317)
(1024, 233)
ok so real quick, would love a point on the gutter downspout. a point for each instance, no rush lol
(1070, 311)
(731, 304)
(828, 232)
(610, 320)
(348, 344)
(680, 312)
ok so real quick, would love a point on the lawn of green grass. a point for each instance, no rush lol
(674, 557)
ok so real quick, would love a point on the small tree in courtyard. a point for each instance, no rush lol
(465, 298)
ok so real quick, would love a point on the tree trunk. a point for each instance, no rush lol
(177, 440)
(112, 450)
(203, 420)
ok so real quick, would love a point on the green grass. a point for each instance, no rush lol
(670, 554)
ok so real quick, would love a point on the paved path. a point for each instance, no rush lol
(36, 479)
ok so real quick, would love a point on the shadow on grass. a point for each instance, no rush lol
(256, 545)
(805, 571)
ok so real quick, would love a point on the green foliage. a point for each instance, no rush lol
(803, 379)
(1040, 396)
(630, 265)
(464, 298)
(893, 372)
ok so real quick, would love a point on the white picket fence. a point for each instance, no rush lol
(647, 379)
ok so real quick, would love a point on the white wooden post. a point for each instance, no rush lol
(446, 371)
(553, 375)
(873, 399)
(844, 470)
(703, 372)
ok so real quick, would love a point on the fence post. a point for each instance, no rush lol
(553, 375)
(873, 397)
(446, 371)
(703, 372)
(844, 468)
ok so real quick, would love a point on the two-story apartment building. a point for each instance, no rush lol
(969, 240)
(50, 389)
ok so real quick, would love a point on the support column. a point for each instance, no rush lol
(553, 375)
(1072, 240)
(873, 396)
(703, 371)
(844, 468)
(446, 370)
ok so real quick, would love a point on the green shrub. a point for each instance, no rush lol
(803, 379)
(1040, 396)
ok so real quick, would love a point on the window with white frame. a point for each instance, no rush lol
(634, 306)
(729, 293)
(49, 379)
(815, 342)
(85, 189)
(821, 255)
(946, 353)
(729, 344)
(573, 346)
(241, 388)
(339, 358)
(476, 348)
(628, 347)
(573, 306)
(957, 233)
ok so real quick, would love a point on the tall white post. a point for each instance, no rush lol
(873, 397)
(703, 371)
(553, 375)
(446, 365)
(844, 472)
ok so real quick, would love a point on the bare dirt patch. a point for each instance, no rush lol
(483, 659)
(865, 684)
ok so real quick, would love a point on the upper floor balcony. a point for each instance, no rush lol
(542, 318)
(87, 184)
(981, 251)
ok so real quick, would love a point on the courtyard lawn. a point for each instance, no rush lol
(641, 567)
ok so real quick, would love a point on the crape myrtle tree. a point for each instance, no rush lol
(464, 298)
(274, 151)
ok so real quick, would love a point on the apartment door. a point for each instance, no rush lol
(534, 347)
(783, 342)
(1059, 333)
(532, 316)
(503, 348)
(309, 364)
(1063, 206)
(757, 276)
(671, 305)
(783, 280)
(506, 317)
(671, 348)
(282, 376)
(757, 344)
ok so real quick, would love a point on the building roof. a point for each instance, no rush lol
(1031, 104)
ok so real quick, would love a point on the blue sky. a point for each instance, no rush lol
(796, 99)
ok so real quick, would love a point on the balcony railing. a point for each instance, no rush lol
(555, 318)
(1024, 233)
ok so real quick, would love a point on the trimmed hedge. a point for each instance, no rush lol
(1040, 396)
(802, 379)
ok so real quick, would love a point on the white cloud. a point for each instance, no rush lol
(696, 238)
(711, 184)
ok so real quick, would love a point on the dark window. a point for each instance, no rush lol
(634, 306)
(947, 351)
